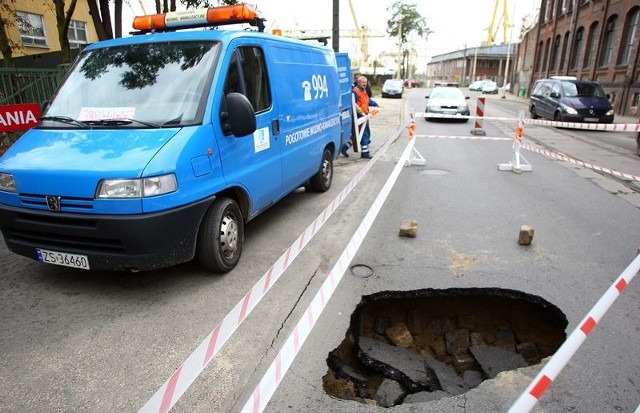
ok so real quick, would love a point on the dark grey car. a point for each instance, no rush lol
(570, 100)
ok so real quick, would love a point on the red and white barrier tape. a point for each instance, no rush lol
(545, 152)
(172, 389)
(610, 127)
(563, 157)
(284, 359)
(550, 371)
(463, 137)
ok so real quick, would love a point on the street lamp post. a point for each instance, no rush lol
(506, 66)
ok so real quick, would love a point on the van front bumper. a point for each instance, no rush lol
(586, 119)
(110, 242)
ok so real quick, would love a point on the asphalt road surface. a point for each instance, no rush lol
(96, 341)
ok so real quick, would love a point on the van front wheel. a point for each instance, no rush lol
(321, 181)
(557, 117)
(534, 115)
(220, 237)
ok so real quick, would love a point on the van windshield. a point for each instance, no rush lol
(579, 89)
(161, 84)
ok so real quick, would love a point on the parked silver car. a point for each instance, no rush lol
(448, 101)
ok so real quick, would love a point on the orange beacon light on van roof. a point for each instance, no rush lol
(212, 16)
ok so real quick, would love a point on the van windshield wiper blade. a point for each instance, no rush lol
(121, 121)
(65, 119)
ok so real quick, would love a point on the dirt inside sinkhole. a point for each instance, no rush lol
(422, 345)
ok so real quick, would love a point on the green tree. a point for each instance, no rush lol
(405, 20)
(7, 21)
(101, 17)
(166, 6)
(63, 20)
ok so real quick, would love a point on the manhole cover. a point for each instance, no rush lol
(434, 172)
(362, 271)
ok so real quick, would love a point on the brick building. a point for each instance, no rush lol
(588, 39)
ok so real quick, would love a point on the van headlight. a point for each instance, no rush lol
(137, 188)
(7, 183)
(570, 110)
(609, 113)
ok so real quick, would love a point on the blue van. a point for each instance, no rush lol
(566, 99)
(158, 148)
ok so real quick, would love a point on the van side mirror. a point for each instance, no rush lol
(240, 119)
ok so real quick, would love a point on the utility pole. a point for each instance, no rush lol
(464, 66)
(475, 61)
(400, 56)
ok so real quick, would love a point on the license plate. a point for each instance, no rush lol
(63, 258)
(591, 119)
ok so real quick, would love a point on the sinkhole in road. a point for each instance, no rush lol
(422, 345)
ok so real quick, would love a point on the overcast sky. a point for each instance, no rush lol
(455, 23)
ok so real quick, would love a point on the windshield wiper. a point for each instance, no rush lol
(120, 121)
(67, 120)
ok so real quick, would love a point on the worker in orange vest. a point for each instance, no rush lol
(363, 102)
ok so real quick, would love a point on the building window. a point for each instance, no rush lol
(630, 37)
(31, 28)
(563, 7)
(608, 42)
(554, 54)
(592, 45)
(545, 63)
(77, 34)
(548, 9)
(576, 53)
(538, 67)
(563, 54)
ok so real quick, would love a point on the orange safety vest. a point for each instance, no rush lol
(362, 99)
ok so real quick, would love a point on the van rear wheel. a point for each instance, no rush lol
(321, 181)
(221, 236)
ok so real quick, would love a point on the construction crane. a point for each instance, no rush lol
(361, 33)
(362, 39)
(344, 34)
(493, 27)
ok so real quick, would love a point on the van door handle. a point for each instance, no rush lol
(275, 127)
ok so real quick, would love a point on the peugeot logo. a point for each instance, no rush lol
(53, 203)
